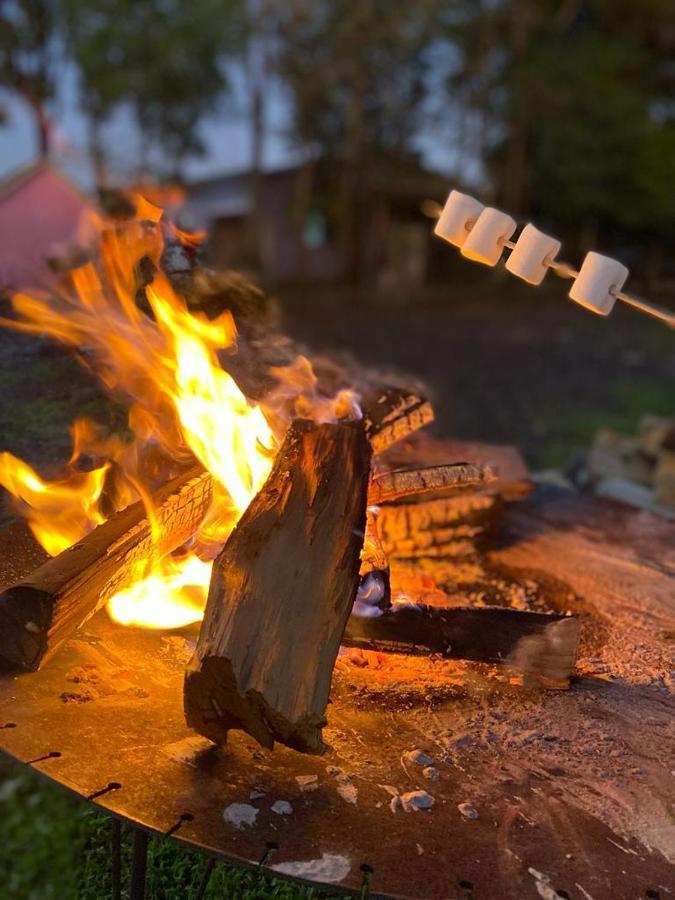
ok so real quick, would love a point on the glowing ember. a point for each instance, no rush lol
(182, 404)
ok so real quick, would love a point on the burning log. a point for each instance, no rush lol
(281, 592)
(393, 414)
(39, 613)
(443, 524)
(536, 644)
(375, 587)
(429, 480)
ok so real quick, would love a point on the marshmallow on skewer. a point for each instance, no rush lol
(533, 253)
(599, 280)
(457, 218)
(485, 242)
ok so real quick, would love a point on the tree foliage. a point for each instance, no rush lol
(357, 74)
(166, 59)
(576, 99)
(28, 57)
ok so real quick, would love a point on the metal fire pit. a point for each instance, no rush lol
(104, 719)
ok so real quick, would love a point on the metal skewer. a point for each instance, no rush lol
(433, 210)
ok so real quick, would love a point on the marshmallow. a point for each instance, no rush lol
(531, 255)
(599, 279)
(485, 242)
(458, 216)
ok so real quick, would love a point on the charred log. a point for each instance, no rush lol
(536, 644)
(281, 592)
(393, 414)
(39, 613)
(412, 529)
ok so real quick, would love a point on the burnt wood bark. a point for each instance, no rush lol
(411, 529)
(375, 585)
(392, 414)
(40, 612)
(429, 480)
(281, 592)
(536, 644)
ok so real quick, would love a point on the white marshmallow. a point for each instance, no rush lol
(531, 255)
(485, 242)
(458, 216)
(599, 279)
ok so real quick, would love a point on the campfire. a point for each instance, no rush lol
(269, 515)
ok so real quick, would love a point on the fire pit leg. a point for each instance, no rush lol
(116, 858)
(139, 865)
(206, 878)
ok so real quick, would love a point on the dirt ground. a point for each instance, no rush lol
(521, 366)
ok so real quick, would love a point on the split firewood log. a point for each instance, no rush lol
(442, 526)
(42, 611)
(281, 592)
(429, 480)
(393, 414)
(540, 645)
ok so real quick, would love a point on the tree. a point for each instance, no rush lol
(577, 101)
(29, 56)
(357, 72)
(164, 58)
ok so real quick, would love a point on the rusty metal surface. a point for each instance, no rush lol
(104, 719)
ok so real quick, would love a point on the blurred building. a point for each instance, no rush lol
(41, 213)
(292, 236)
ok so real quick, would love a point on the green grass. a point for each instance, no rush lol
(41, 401)
(627, 403)
(52, 846)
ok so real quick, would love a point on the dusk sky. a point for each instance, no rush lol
(225, 133)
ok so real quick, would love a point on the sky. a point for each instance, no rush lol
(225, 134)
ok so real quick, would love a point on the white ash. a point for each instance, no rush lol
(240, 815)
(256, 794)
(419, 757)
(348, 792)
(282, 808)
(338, 774)
(468, 810)
(307, 783)
(415, 800)
(329, 869)
(543, 885)
(187, 750)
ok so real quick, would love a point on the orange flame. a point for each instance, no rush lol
(182, 404)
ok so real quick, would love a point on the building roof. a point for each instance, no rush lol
(230, 195)
(41, 210)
